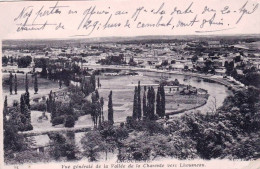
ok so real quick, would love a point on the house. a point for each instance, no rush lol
(41, 144)
(220, 71)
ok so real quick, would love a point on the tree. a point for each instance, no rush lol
(102, 105)
(162, 101)
(139, 107)
(27, 100)
(98, 83)
(5, 112)
(158, 102)
(4, 60)
(194, 58)
(69, 121)
(60, 83)
(26, 84)
(44, 71)
(152, 101)
(15, 84)
(144, 105)
(24, 61)
(11, 83)
(97, 94)
(58, 143)
(13, 142)
(22, 104)
(91, 143)
(135, 104)
(110, 109)
(35, 84)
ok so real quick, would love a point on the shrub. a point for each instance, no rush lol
(39, 106)
(70, 121)
(58, 120)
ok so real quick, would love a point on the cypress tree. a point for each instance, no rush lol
(93, 82)
(158, 102)
(110, 108)
(139, 107)
(27, 100)
(44, 71)
(35, 84)
(50, 101)
(97, 94)
(144, 105)
(53, 110)
(27, 114)
(22, 104)
(152, 103)
(162, 101)
(15, 84)
(98, 83)
(5, 107)
(26, 84)
(60, 83)
(135, 104)
(11, 83)
(148, 106)
(102, 104)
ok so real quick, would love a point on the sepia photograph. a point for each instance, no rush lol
(128, 99)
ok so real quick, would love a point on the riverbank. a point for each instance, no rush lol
(217, 79)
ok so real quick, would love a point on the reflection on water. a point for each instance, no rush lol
(215, 90)
(123, 90)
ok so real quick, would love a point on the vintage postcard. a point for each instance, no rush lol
(130, 84)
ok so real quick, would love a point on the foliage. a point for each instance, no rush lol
(69, 121)
(41, 106)
(24, 61)
(58, 120)
(35, 84)
(110, 108)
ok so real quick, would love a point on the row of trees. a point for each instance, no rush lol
(22, 62)
(149, 103)
(14, 84)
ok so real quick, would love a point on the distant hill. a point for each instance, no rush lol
(137, 39)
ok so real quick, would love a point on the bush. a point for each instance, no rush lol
(39, 106)
(70, 121)
(58, 120)
(28, 127)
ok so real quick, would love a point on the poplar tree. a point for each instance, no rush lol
(102, 104)
(35, 84)
(110, 108)
(162, 101)
(22, 104)
(98, 83)
(152, 102)
(139, 107)
(11, 83)
(135, 104)
(148, 105)
(158, 102)
(15, 84)
(144, 105)
(5, 112)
